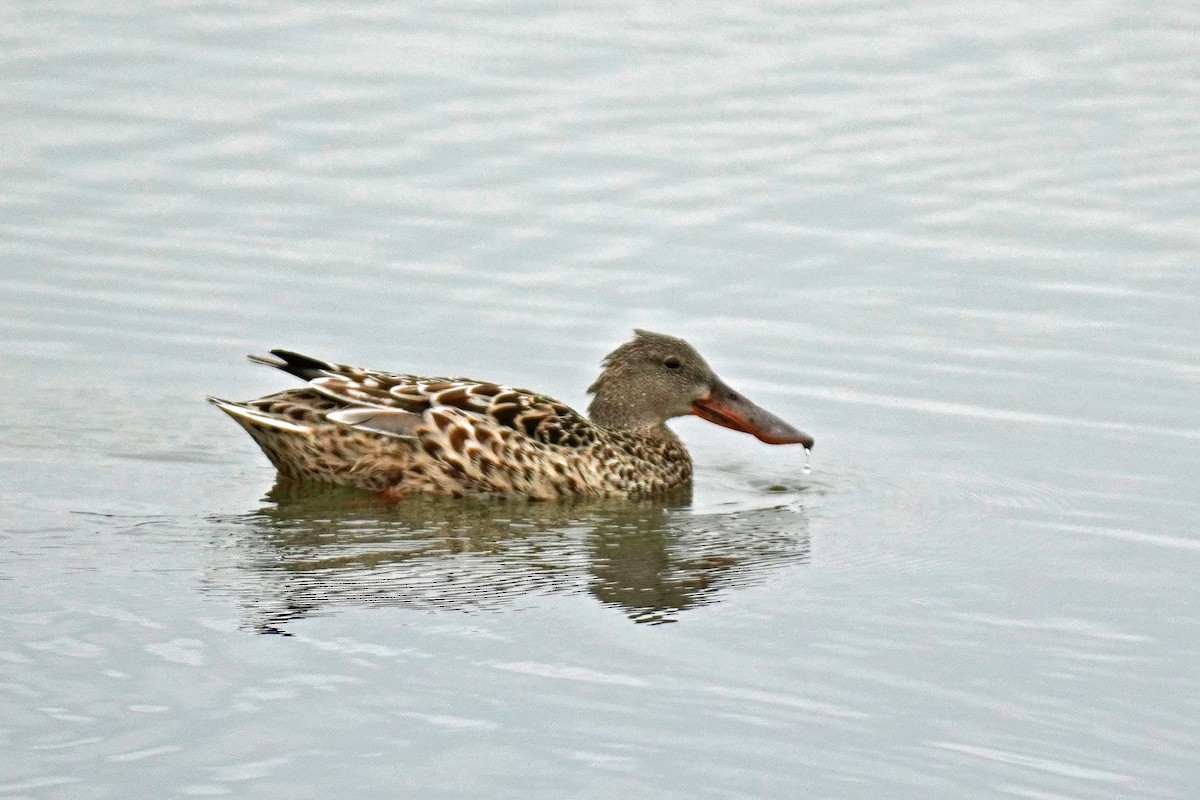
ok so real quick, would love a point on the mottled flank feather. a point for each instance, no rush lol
(405, 434)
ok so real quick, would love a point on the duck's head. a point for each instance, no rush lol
(655, 377)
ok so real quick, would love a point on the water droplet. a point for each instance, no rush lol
(807, 461)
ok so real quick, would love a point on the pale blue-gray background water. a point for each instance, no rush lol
(959, 244)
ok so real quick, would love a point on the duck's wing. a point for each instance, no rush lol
(396, 404)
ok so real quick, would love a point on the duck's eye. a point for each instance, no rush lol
(672, 363)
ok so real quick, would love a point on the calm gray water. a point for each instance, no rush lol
(959, 244)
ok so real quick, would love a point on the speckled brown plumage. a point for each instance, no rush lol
(404, 434)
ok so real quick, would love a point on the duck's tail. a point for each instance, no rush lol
(302, 366)
(253, 419)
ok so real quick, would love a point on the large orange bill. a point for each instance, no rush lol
(729, 409)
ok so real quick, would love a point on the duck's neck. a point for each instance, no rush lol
(620, 413)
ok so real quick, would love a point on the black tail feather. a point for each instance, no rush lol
(298, 364)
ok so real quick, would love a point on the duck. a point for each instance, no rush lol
(402, 435)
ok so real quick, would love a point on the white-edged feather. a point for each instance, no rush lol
(387, 421)
(257, 417)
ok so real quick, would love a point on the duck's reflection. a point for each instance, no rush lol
(311, 551)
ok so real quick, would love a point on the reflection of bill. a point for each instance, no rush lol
(313, 553)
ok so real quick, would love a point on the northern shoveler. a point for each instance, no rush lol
(403, 434)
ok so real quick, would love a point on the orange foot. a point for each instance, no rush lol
(394, 494)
